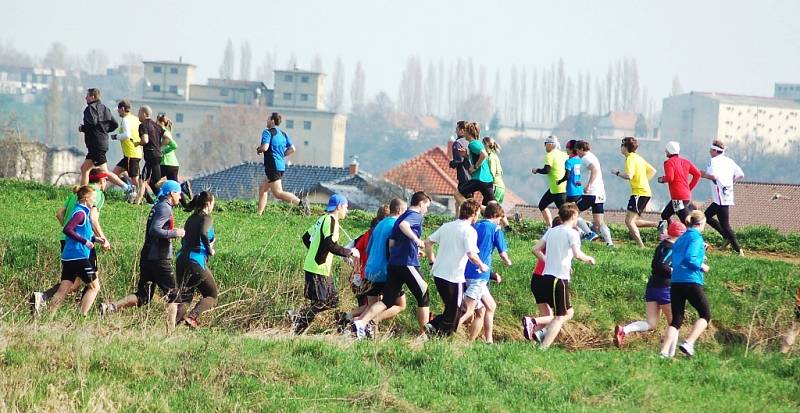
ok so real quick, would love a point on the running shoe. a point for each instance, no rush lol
(360, 330)
(662, 226)
(528, 325)
(37, 303)
(591, 236)
(107, 308)
(429, 330)
(619, 336)
(371, 329)
(304, 208)
(538, 336)
(665, 356)
(186, 188)
(741, 253)
(191, 322)
(687, 348)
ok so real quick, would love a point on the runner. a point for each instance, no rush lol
(490, 238)
(794, 329)
(403, 267)
(97, 122)
(75, 258)
(561, 243)
(97, 181)
(572, 176)
(460, 161)
(656, 296)
(458, 242)
(639, 173)
(155, 260)
(192, 271)
(151, 134)
(495, 168)
(320, 239)
(594, 191)
(481, 177)
(688, 268)
(722, 172)
(554, 161)
(276, 146)
(542, 290)
(128, 134)
(169, 160)
(676, 174)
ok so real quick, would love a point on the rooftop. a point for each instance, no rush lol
(749, 100)
(168, 62)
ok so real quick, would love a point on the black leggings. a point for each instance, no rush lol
(669, 210)
(451, 293)
(551, 198)
(723, 226)
(191, 276)
(694, 293)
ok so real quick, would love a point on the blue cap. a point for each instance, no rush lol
(169, 186)
(335, 201)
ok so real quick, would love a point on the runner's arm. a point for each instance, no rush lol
(169, 144)
(475, 259)
(696, 174)
(694, 256)
(566, 176)
(538, 250)
(593, 173)
(144, 139)
(580, 256)
(405, 228)
(505, 258)
(543, 170)
(161, 215)
(290, 150)
(69, 229)
(207, 222)
(479, 162)
(60, 215)
(738, 174)
(307, 240)
(650, 171)
(335, 248)
(429, 251)
(669, 173)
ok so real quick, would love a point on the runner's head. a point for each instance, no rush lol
(556, 222)
(550, 143)
(92, 95)
(469, 210)
(420, 201)
(571, 147)
(696, 220)
(86, 195)
(491, 144)
(568, 212)
(124, 107)
(396, 207)
(629, 145)
(673, 148)
(337, 206)
(717, 148)
(274, 120)
(675, 230)
(98, 176)
(473, 131)
(204, 201)
(581, 147)
(383, 212)
(145, 112)
(461, 128)
(171, 191)
(164, 121)
(494, 211)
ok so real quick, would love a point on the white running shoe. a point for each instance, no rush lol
(37, 302)
(687, 348)
(107, 308)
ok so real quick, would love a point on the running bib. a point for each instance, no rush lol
(726, 195)
(677, 205)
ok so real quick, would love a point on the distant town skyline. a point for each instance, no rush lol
(721, 46)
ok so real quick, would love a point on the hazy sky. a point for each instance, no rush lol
(726, 46)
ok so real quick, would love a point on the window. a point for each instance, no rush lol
(305, 143)
(224, 92)
(173, 89)
(178, 135)
(173, 70)
(304, 79)
(156, 69)
(288, 78)
(289, 124)
(156, 88)
(179, 118)
(287, 96)
(307, 124)
(304, 97)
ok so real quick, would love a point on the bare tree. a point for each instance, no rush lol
(245, 60)
(441, 92)
(336, 95)
(513, 97)
(131, 59)
(228, 61)
(95, 61)
(568, 100)
(291, 64)
(431, 90)
(10, 55)
(523, 96)
(560, 91)
(498, 92)
(588, 93)
(579, 97)
(235, 128)
(316, 64)
(56, 56)
(266, 70)
(482, 80)
(676, 86)
(358, 89)
(52, 114)
(478, 108)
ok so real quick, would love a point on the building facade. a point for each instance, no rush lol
(789, 91)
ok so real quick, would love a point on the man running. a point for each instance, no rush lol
(481, 178)
(128, 135)
(460, 161)
(403, 269)
(150, 133)
(276, 146)
(594, 191)
(639, 173)
(155, 260)
(676, 175)
(458, 242)
(321, 240)
(554, 161)
(97, 122)
(722, 171)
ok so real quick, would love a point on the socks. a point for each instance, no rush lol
(636, 327)
(606, 233)
(583, 226)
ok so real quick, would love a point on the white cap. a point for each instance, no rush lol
(673, 148)
(551, 139)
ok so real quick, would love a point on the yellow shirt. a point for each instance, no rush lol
(556, 159)
(640, 173)
(128, 134)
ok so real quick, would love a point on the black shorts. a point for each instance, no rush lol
(321, 291)
(272, 174)
(400, 275)
(376, 289)
(98, 157)
(152, 170)
(557, 294)
(156, 273)
(190, 276)
(486, 189)
(83, 269)
(551, 198)
(589, 201)
(638, 203)
(541, 288)
(171, 172)
(130, 165)
(573, 199)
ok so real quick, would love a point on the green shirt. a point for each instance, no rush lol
(496, 169)
(325, 226)
(556, 159)
(482, 173)
(169, 158)
(72, 200)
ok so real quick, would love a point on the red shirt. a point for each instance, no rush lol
(361, 245)
(676, 175)
(539, 265)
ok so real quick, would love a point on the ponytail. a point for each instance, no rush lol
(199, 202)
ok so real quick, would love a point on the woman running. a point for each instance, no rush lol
(169, 161)
(656, 294)
(192, 262)
(493, 149)
(688, 269)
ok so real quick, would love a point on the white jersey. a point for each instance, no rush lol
(558, 255)
(725, 170)
(455, 239)
(598, 189)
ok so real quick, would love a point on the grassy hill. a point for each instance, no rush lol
(244, 358)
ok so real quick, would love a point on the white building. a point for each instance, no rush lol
(787, 91)
(697, 118)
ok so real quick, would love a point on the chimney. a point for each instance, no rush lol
(354, 165)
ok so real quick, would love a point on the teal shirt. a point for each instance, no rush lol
(483, 173)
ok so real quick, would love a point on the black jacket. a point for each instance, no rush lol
(97, 122)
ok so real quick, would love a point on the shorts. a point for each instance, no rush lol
(551, 198)
(558, 295)
(587, 201)
(83, 269)
(541, 289)
(499, 194)
(130, 165)
(152, 171)
(97, 156)
(190, 276)
(272, 174)
(170, 171)
(321, 291)
(659, 295)
(476, 289)
(638, 203)
(156, 273)
(695, 295)
(573, 198)
(473, 185)
(400, 275)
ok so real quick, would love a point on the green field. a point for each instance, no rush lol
(244, 358)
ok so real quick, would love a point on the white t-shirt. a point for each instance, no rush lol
(724, 169)
(455, 239)
(558, 256)
(598, 189)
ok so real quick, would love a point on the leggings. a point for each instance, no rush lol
(191, 276)
(694, 293)
(669, 210)
(451, 293)
(723, 226)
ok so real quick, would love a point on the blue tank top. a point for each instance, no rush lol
(73, 250)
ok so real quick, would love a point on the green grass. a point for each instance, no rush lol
(244, 360)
